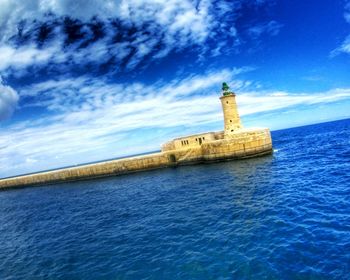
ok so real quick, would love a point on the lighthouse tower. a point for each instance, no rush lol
(229, 107)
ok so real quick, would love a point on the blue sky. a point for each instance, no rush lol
(82, 81)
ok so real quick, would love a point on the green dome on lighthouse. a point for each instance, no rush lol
(225, 89)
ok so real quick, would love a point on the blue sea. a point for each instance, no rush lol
(284, 216)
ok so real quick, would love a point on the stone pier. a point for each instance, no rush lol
(235, 142)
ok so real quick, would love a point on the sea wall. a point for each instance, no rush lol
(108, 168)
(248, 143)
(243, 144)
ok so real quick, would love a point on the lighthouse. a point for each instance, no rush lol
(232, 121)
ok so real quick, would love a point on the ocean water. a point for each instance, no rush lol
(284, 216)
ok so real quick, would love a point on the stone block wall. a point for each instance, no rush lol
(242, 144)
(109, 168)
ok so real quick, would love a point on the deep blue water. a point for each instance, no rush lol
(285, 216)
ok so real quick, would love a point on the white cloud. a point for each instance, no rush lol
(22, 57)
(185, 17)
(174, 24)
(91, 119)
(8, 101)
(257, 102)
(271, 28)
(347, 12)
(344, 48)
(159, 28)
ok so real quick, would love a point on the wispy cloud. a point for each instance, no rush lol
(92, 119)
(8, 100)
(344, 48)
(122, 33)
(119, 34)
(23, 57)
(347, 11)
(271, 28)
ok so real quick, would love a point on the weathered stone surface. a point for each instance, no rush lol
(232, 120)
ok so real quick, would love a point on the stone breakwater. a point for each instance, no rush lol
(242, 144)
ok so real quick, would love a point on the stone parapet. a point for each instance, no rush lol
(108, 168)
